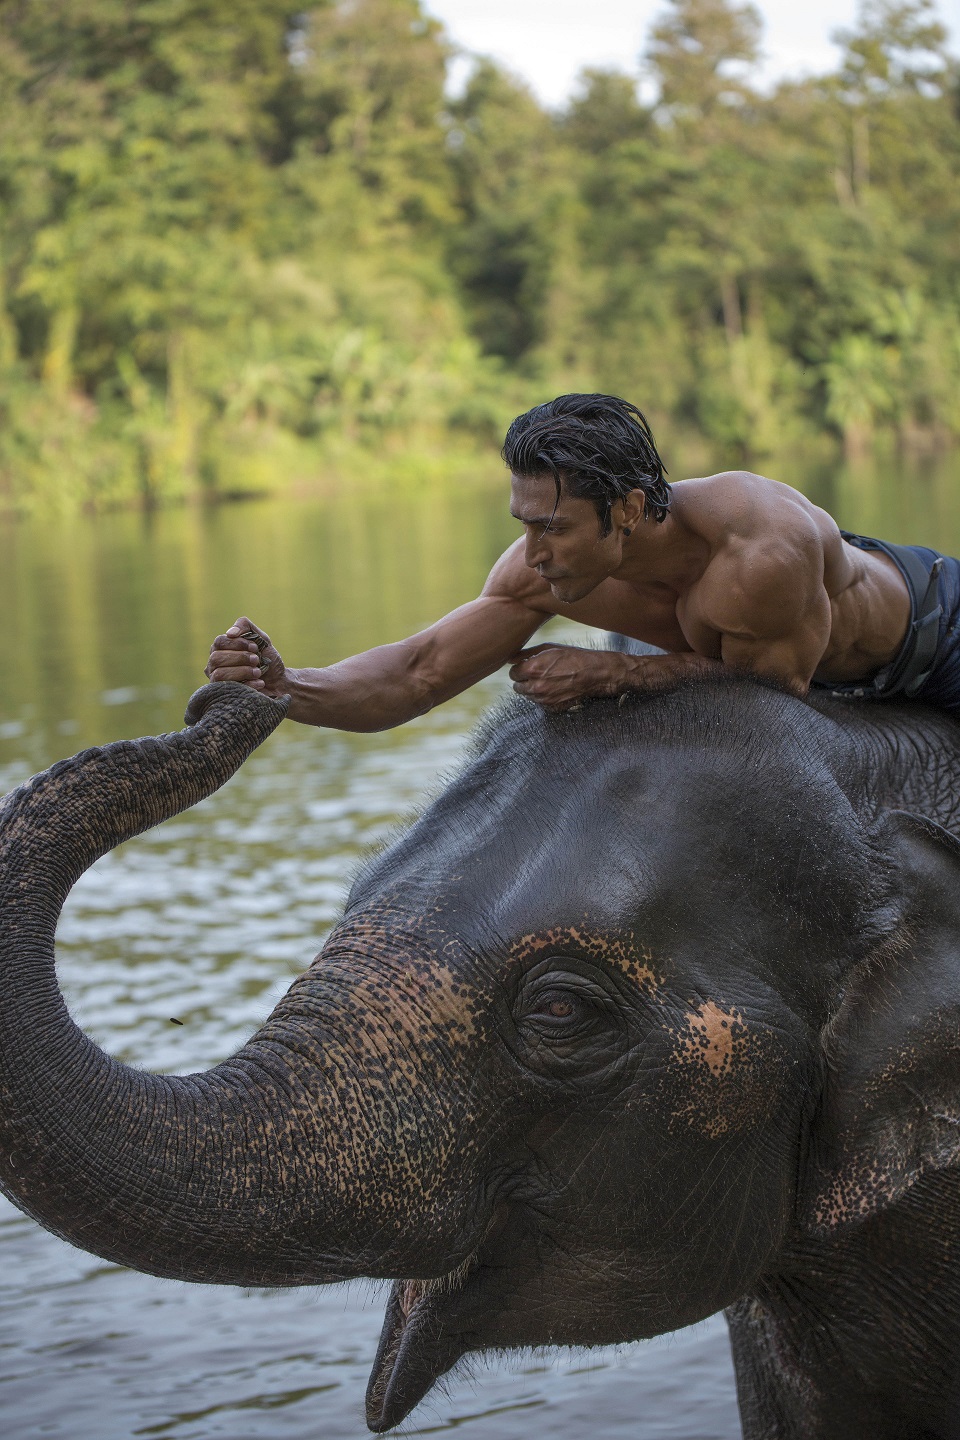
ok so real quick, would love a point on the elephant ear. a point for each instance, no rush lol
(890, 1109)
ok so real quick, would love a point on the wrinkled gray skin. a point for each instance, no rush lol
(654, 1012)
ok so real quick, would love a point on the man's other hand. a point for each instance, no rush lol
(560, 676)
(245, 654)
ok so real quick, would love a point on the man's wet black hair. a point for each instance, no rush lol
(599, 445)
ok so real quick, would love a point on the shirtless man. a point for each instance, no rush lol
(730, 570)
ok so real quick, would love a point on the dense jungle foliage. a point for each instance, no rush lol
(242, 244)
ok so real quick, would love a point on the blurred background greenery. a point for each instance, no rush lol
(245, 249)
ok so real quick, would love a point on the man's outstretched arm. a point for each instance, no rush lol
(391, 684)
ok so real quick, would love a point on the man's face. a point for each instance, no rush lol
(568, 551)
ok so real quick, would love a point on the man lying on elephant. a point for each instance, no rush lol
(732, 569)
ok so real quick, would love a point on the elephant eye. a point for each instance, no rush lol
(568, 1019)
(558, 1006)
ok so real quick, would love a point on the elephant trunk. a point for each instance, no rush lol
(251, 1173)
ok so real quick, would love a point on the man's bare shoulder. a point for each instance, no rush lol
(772, 549)
(511, 578)
(741, 505)
(751, 521)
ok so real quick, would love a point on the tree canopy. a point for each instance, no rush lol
(238, 241)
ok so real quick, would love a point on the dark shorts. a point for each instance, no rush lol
(927, 666)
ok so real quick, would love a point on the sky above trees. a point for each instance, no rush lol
(547, 42)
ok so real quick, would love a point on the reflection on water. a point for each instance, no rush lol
(206, 920)
(91, 1351)
(914, 500)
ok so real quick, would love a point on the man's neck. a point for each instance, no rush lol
(668, 553)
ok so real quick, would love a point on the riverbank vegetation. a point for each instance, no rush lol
(242, 246)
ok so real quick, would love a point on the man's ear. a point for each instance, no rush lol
(631, 509)
(890, 1108)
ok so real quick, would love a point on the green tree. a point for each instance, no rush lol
(700, 51)
(239, 242)
(506, 166)
(604, 112)
(894, 47)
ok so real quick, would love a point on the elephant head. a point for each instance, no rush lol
(578, 1064)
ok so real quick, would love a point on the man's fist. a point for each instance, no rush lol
(245, 654)
(560, 676)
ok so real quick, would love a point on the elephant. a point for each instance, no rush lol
(652, 1013)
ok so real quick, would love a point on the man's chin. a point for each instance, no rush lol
(569, 591)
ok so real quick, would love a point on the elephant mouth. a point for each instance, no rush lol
(413, 1352)
(421, 1337)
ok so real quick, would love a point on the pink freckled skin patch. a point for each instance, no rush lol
(723, 1071)
(710, 1038)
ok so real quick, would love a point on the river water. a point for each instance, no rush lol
(106, 626)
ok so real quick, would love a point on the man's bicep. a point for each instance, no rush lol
(773, 616)
(790, 659)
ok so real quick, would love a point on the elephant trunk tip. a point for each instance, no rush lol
(229, 696)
